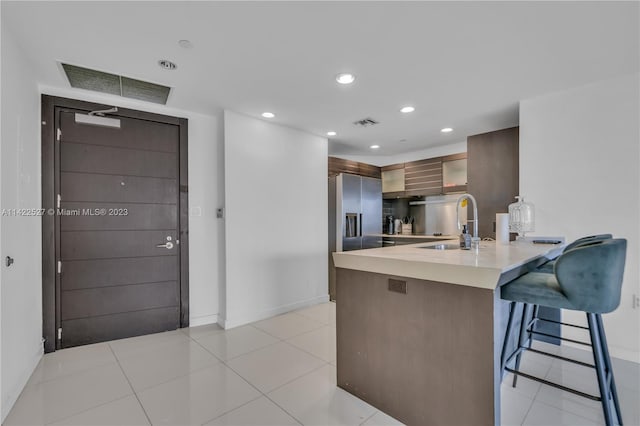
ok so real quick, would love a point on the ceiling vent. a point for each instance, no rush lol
(98, 81)
(365, 122)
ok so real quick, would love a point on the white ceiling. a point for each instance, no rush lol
(461, 64)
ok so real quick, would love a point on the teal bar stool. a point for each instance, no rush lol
(586, 278)
(548, 267)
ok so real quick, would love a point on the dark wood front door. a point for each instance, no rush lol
(117, 229)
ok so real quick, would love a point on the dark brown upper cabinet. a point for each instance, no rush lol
(339, 165)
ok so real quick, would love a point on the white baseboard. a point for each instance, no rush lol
(10, 398)
(227, 323)
(205, 320)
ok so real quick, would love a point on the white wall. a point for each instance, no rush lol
(436, 151)
(579, 165)
(276, 219)
(21, 284)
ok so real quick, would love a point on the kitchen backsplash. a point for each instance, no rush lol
(397, 208)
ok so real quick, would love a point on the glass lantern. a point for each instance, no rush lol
(521, 217)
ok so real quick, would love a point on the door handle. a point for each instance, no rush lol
(168, 245)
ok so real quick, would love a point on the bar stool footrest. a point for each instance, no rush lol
(555, 385)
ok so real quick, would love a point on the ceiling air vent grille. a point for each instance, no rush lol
(98, 81)
(365, 122)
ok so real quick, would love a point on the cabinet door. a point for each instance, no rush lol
(423, 177)
(454, 175)
(393, 180)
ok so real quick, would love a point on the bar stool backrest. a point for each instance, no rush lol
(590, 275)
(586, 240)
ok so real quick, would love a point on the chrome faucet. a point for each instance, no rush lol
(475, 213)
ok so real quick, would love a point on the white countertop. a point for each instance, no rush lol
(463, 267)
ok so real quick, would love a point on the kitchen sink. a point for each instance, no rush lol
(442, 247)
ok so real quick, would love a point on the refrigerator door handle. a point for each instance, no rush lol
(360, 225)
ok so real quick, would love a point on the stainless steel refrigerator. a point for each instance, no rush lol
(355, 216)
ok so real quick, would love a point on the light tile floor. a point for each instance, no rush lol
(280, 371)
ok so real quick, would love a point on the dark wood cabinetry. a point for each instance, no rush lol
(340, 165)
(423, 177)
(493, 175)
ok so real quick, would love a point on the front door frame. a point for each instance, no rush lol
(49, 105)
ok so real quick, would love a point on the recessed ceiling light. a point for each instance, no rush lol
(185, 44)
(407, 109)
(268, 115)
(374, 146)
(167, 64)
(331, 133)
(447, 130)
(345, 78)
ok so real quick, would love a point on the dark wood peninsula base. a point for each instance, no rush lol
(425, 357)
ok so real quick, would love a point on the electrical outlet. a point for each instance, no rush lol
(398, 286)
(636, 301)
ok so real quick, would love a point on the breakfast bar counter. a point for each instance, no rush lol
(420, 330)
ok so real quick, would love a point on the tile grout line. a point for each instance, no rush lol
(307, 352)
(525, 414)
(564, 411)
(67, 375)
(279, 340)
(88, 409)
(242, 354)
(64, 376)
(258, 390)
(290, 337)
(233, 409)
(224, 362)
(173, 378)
(101, 404)
(131, 386)
(374, 413)
(82, 370)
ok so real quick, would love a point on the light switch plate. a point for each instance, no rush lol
(220, 213)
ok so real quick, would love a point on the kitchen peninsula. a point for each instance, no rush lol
(420, 330)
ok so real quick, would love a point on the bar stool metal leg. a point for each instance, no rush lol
(609, 367)
(600, 367)
(505, 344)
(522, 340)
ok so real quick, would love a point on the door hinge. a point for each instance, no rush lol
(60, 333)
(59, 134)
(59, 266)
(59, 200)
